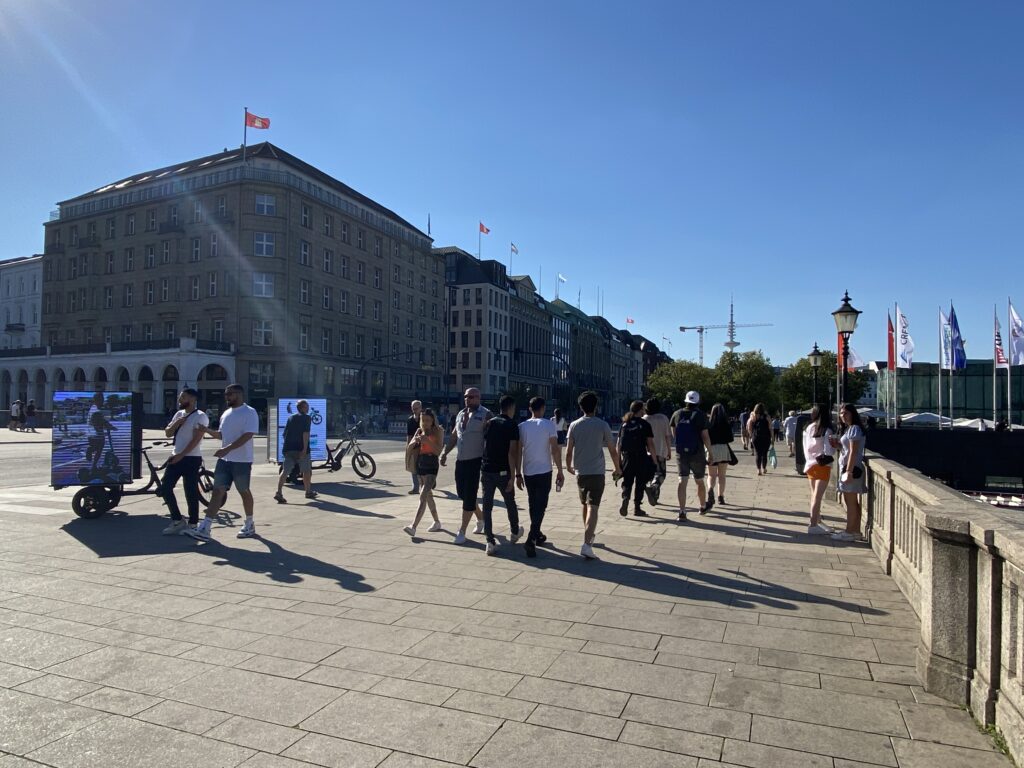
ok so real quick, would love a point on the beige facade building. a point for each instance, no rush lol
(313, 288)
(20, 291)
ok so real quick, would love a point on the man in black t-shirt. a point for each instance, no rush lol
(411, 425)
(501, 452)
(295, 447)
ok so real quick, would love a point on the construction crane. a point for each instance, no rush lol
(732, 325)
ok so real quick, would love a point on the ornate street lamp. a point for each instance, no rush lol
(814, 357)
(846, 323)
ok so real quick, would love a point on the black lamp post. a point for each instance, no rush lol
(846, 323)
(815, 359)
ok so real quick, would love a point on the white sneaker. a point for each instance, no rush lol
(176, 527)
(460, 538)
(248, 530)
(201, 531)
(491, 549)
(819, 530)
(845, 536)
(435, 527)
(410, 529)
(587, 552)
(516, 535)
(479, 527)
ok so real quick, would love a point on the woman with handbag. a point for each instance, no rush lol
(721, 455)
(426, 444)
(760, 429)
(852, 480)
(819, 449)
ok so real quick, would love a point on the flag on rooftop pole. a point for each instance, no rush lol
(1016, 337)
(251, 121)
(998, 354)
(483, 231)
(514, 249)
(904, 342)
(957, 341)
(630, 321)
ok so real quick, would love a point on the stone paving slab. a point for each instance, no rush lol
(334, 639)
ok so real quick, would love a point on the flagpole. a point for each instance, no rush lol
(1009, 368)
(245, 130)
(479, 241)
(941, 355)
(896, 368)
(952, 364)
(510, 258)
(995, 371)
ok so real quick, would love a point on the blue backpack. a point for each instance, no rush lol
(687, 439)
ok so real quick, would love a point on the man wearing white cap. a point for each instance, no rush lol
(693, 444)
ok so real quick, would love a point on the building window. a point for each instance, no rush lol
(344, 231)
(193, 329)
(212, 285)
(263, 285)
(359, 305)
(394, 324)
(151, 220)
(396, 275)
(343, 344)
(377, 310)
(107, 334)
(266, 205)
(169, 330)
(328, 225)
(222, 206)
(303, 253)
(343, 302)
(327, 299)
(165, 255)
(303, 338)
(150, 292)
(360, 272)
(263, 243)
(326, 343)
(343, 267)
(376, 246)
(304, 216)
(359, 345)
(150, 257)
(423, 307)
(376, 348)
(109, 270)
(396, 299)
(261, 377)
(329, 377)
(213, 245)
(147, 332)
(378, 278)
(126, 333)
(195, 287)
(172, 215)
(130, 224)
(164, 289)
(433, 288)
(262, 333)
(455, 318)
(218, 330)
(304, 291)
(197, 249)
(197, 212)
(465, 295)
(111, 229)
(328, 260)
(361, 240)
(127, 295)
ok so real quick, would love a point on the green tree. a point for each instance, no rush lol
(671, 381)
(745, 379)
(797, 382)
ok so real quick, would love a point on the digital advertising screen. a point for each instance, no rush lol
(286, 408)
(92, 438)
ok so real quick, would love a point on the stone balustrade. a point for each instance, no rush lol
(960, 564)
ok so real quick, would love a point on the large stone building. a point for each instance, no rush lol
(531, 371)
(312, 287)
(20, 304)
(621, 373)
(589, 353)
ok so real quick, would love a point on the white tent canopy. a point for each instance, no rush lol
(924, 419)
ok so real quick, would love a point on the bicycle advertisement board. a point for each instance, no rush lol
(286, 407)
(96, 438)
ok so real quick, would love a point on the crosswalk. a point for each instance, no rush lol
(36, 500)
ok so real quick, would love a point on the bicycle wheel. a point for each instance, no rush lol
(205, 485)
(364, 465)
(90, 502)
(113, 495)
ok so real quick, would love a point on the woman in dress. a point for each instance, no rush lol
(819, 449)
(561, 426)
(852, 478)
(760, 430)
(720, 434)
(430, 439)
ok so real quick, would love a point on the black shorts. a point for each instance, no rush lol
(467, 482)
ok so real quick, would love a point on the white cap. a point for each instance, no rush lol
(692, 397)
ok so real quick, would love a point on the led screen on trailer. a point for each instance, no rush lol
(92, 438)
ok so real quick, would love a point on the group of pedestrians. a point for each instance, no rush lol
(22, 416)
(819, 445)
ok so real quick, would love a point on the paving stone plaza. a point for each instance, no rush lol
(335, 640)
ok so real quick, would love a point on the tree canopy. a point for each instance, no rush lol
(738, 381)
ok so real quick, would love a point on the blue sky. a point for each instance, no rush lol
(669, 153)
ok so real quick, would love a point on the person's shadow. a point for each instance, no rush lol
(117, 534)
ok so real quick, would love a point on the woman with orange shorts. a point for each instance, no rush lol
(819, 453)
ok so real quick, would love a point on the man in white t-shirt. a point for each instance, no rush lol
(238, 425)
(186, 429)
(538, 441)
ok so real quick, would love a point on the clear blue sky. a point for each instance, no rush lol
(672, 153)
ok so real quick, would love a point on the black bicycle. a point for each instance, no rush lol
(92, 501)
(362, 462)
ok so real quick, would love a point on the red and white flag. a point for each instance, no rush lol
(999, 355)
(254, 121)
(484, 230)
(514, 249)
(630, 321)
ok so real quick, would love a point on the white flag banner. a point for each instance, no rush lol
(562, 278)
(904, 343)
(1016, 338)
(855, 361)
(946, 342)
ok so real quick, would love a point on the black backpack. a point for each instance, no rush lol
(633, 440)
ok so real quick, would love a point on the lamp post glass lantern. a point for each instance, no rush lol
(815, 359)
(846, 323)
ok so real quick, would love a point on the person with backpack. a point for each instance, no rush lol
(693, 445)
(760, 430)
(638, 456)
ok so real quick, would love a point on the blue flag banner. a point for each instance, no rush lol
(959, 354)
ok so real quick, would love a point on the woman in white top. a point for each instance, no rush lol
(852, 477)
(561, 426)
(819, 450)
